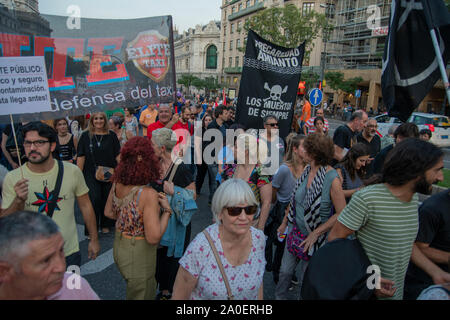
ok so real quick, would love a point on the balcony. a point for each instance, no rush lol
(246, 11)
(233, 70)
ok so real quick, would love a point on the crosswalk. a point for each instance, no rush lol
(102, 262)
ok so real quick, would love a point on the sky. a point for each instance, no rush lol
(185, 14)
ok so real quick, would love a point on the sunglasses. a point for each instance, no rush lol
(273, 124)
(236, 211)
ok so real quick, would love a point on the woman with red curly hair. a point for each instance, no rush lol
(136, 209)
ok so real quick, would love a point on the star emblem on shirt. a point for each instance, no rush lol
(44, 199)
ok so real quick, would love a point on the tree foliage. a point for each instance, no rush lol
(337, 82)
(311, 79)
(187, 80)
(288, 27)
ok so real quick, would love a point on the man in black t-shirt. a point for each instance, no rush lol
(345, 136)
(370, 138)
(431, 264)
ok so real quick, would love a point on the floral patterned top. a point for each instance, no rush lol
(245, 279)
(129, 220)
(255, 181)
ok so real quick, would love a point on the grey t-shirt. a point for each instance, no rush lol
(325, 202)
(284, 181)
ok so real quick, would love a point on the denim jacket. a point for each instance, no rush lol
(183, 205)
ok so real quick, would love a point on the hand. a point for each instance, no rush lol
(163, 202)
(309, 241)
(387, 289)
(282, 228)
(176, 117)
(21, 189)
(93, 249)
(169, 188)
(441, 277)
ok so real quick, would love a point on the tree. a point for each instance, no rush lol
(208, 84)
(311, 79)
(288, 26)
(187, 80)
(337, 82)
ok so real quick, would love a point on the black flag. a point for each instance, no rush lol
(269, 83)
(410, 65)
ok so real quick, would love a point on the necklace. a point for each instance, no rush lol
(98, 142)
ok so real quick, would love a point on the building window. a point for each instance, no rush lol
(233, 9)
(248, 4)
(239, 26)
(231, 45)
(241, 6)
(224, 45)
(238, 43)
(187, 63)
(307, 7)
(236, 62)
(230, 62)
(211, 57)
(232, 28)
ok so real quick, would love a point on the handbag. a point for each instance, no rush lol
(102, 173)
(293, 241)
(219, 264)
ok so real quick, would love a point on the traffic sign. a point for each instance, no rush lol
(315, 97)
(357, 93)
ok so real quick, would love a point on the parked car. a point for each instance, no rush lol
(385, 122)
(439, 126)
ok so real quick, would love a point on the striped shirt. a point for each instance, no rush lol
(310, 125)
(386, 228)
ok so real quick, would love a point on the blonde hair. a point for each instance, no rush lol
(165, 137)
(91, 128)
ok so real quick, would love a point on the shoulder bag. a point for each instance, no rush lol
(55, 193)
(219, 264)
(102, 173)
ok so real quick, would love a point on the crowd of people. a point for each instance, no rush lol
(275, 203)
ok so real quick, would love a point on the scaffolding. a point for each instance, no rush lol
(352, 44)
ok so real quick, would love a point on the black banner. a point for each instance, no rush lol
(269, 83)
(410, 65)
(98, 64)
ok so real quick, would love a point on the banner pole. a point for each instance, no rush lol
(17, 146)
(440, 62)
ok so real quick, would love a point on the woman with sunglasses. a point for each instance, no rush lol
(239, 246)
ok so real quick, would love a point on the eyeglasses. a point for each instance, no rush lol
(236, 211)
(37, 143)
(272, 124)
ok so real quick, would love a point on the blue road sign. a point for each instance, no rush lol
(358, 93)
(315, 97)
